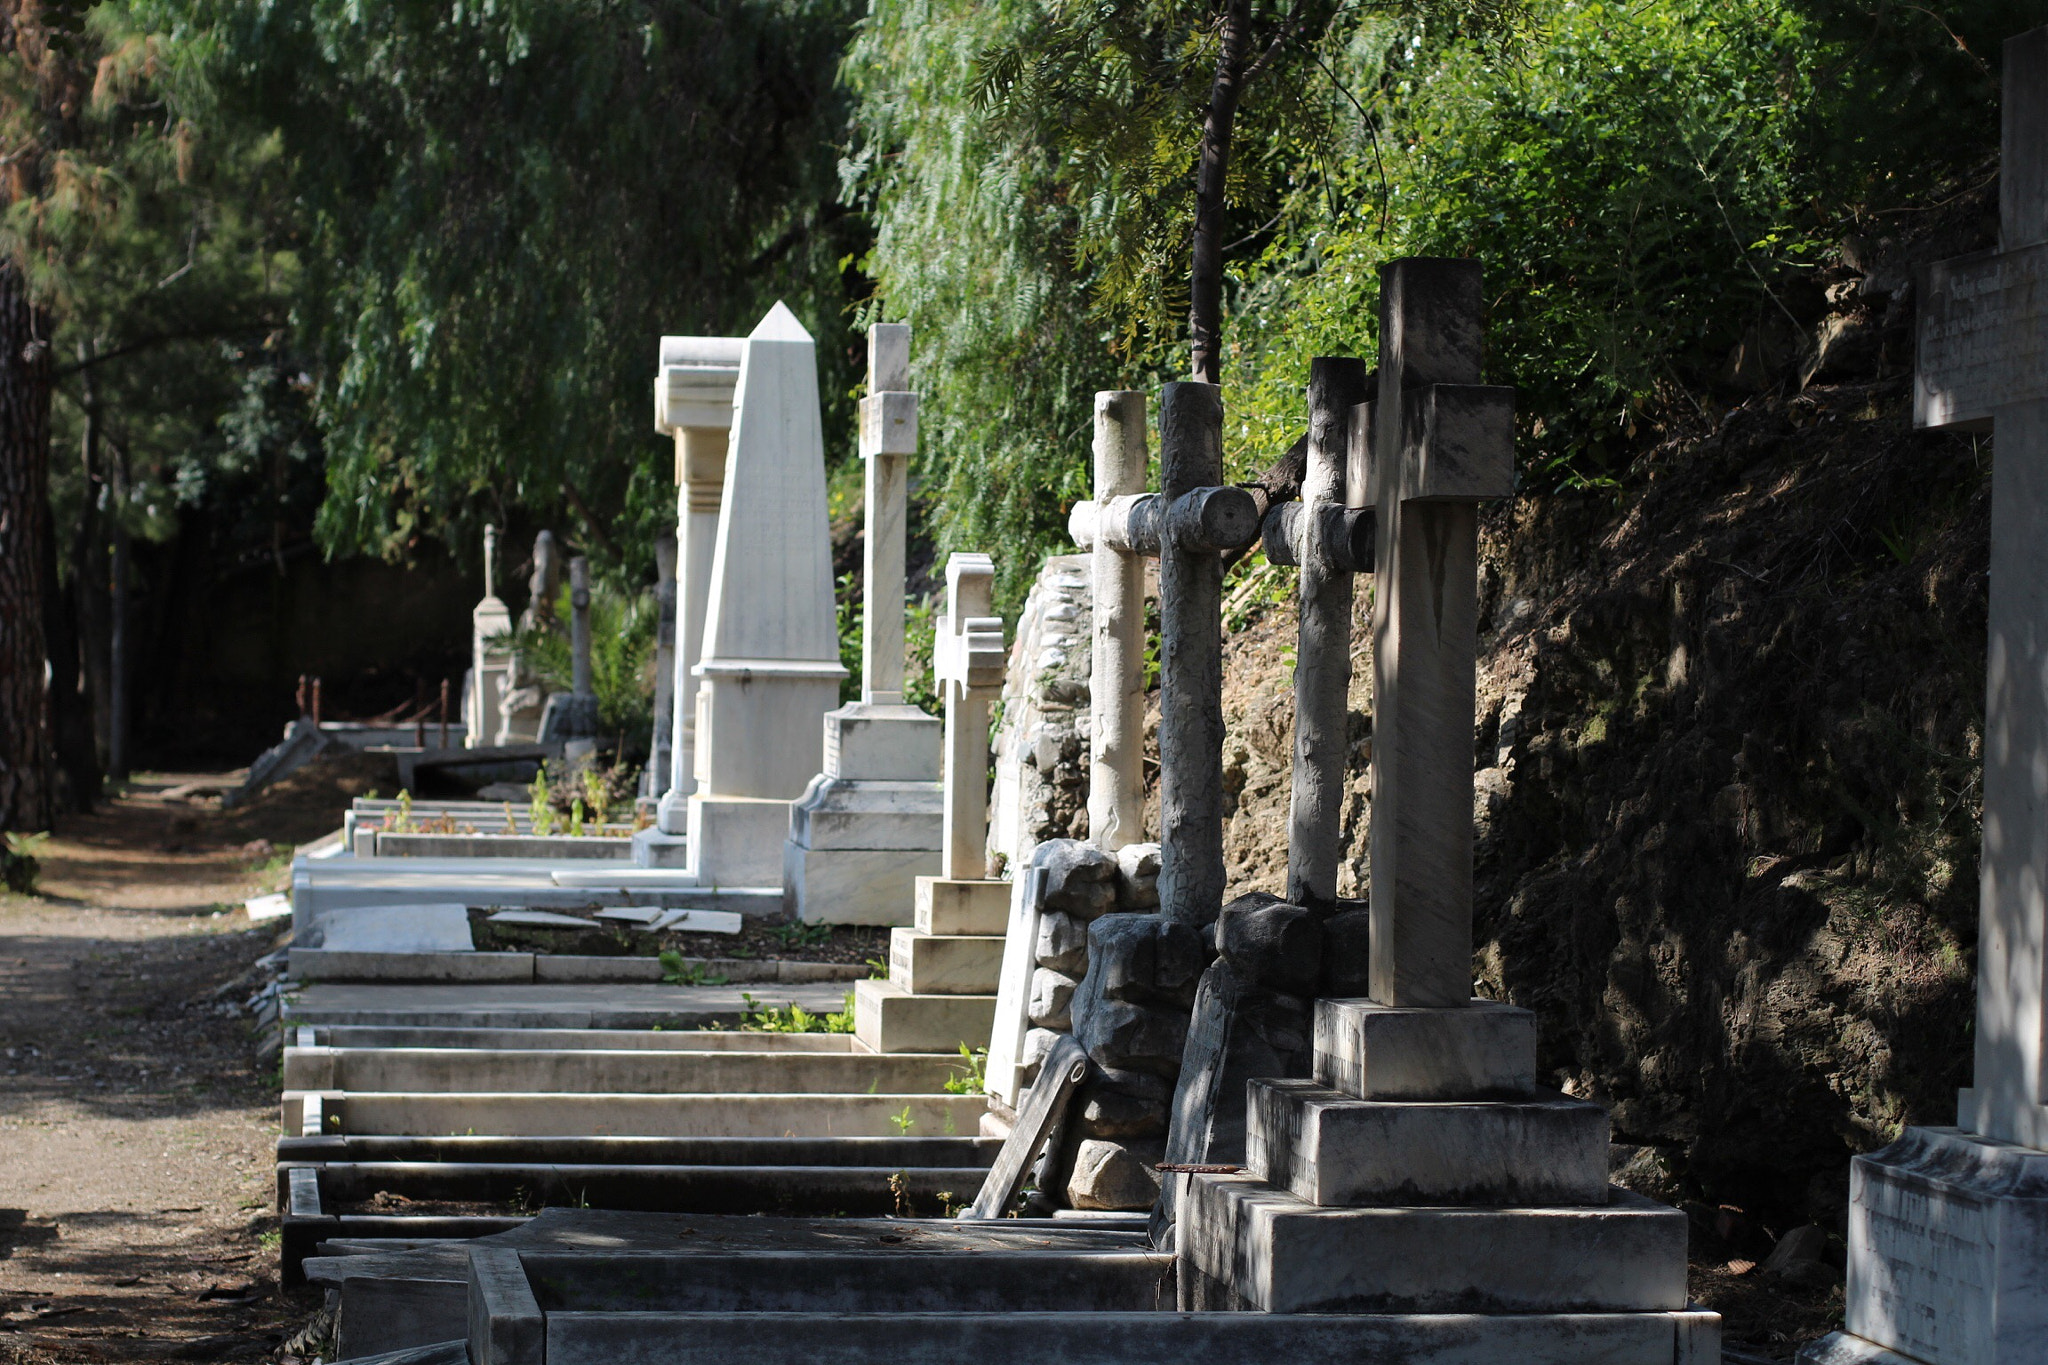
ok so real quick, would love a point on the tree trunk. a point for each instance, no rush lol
(26, 795)
(1205, 278)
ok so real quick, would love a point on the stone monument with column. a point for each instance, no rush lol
(693, 403)
(1948, 1227)
(767, 669)
(870, 824)
(1422, 1171)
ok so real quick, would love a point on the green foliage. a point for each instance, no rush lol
(971, 1076)
(19, 866)
(503, 207)
(677, 970)
(622, 627)
(793, 1018)
(796, 934)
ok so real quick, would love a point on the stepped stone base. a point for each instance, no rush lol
(946, 905)
(1281, 1254)
(952, 964)
(888, 1018)
(852, 886)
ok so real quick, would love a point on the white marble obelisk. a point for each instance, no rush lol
(870, 823)
(490, 666)
(769, 663)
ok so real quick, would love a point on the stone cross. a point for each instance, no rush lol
(1187, 524)
(967, 662)
(1442, 443)
(540, 588)
(1983, 365)
(1329, 534)
(1116, 691)
(490, 666)
(888, 438)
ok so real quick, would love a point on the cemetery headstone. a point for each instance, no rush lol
(490, 665)
(1948, 1226)
(522, 708)
(769, 668)
(654, 778)
(694, 384)
(1422, 1170)
(944, 965)
(871, 822)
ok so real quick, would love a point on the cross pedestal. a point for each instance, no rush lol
(1422, 1170)
(944, 966)
(490, 666)
(769, 667)
(1948, 1227)
(870, 823)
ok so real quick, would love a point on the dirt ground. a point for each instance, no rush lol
(136, 1213)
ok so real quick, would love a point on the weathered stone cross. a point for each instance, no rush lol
(1983, 365)
(1116, 681)
(1329, 534)
(967, 660)
(1442, 442)
(1187, 524)
(888, 438)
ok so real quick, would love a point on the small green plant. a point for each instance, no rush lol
(677, 970)
(400, 821)
(538, 809)
(598, 792)
(878, 970)
(904, 1122)
(511, 825)
(19, 866)
(799, 935)
(270, 1240)
(576, 818)
(971, 1076)
(793, 1018)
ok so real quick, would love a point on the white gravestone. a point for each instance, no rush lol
(693, 403)
(1948, 1227)
(769, 667)
(490, 665)
(870, 823)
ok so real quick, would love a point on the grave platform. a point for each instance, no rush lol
(552, 1005)
(944, 969)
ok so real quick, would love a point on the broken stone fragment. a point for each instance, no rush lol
(1109, 1113)
(1125, 1036)
(1271, 943)
(1147, 959)
(1109, 1175)
(1079, 878)
(1063, 944)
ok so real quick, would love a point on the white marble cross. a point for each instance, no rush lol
(1983, 366)
(1116, 683)
(888, 438)
(1442, 442)
(967, 662)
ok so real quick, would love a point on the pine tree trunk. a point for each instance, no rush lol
(1212, 173)
(26, 790)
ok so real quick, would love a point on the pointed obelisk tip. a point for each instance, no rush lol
(779, 325)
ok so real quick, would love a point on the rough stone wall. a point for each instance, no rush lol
(1041, 739)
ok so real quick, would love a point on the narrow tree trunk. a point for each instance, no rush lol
(77, 766)
(26, 798)
(1212, 172)
(117, 633)
(89, 581)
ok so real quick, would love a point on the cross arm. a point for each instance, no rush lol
(1211, 519)
(1348, 531)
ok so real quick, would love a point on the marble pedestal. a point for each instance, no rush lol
(1423, 1171)
(1948, 1254)
(869, 825)
(943, 971)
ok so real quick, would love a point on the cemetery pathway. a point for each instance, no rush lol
(136, 1218)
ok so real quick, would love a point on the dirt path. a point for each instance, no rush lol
(136, 1213)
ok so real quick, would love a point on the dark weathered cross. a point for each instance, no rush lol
(1983, 366)
(1441, 443)
(1329, 534)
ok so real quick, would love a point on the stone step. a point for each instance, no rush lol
(541, 1113)
(888, 1018)
(547, 1004)
(1483, 1049)
(1331, 1149)
(599, 1039)
(839, 1190)
(951, 906)
(856, 1280)
(486, 1149)
(1281, 1254)
(950, 964)
(1115, 1338)
(631, 1072)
